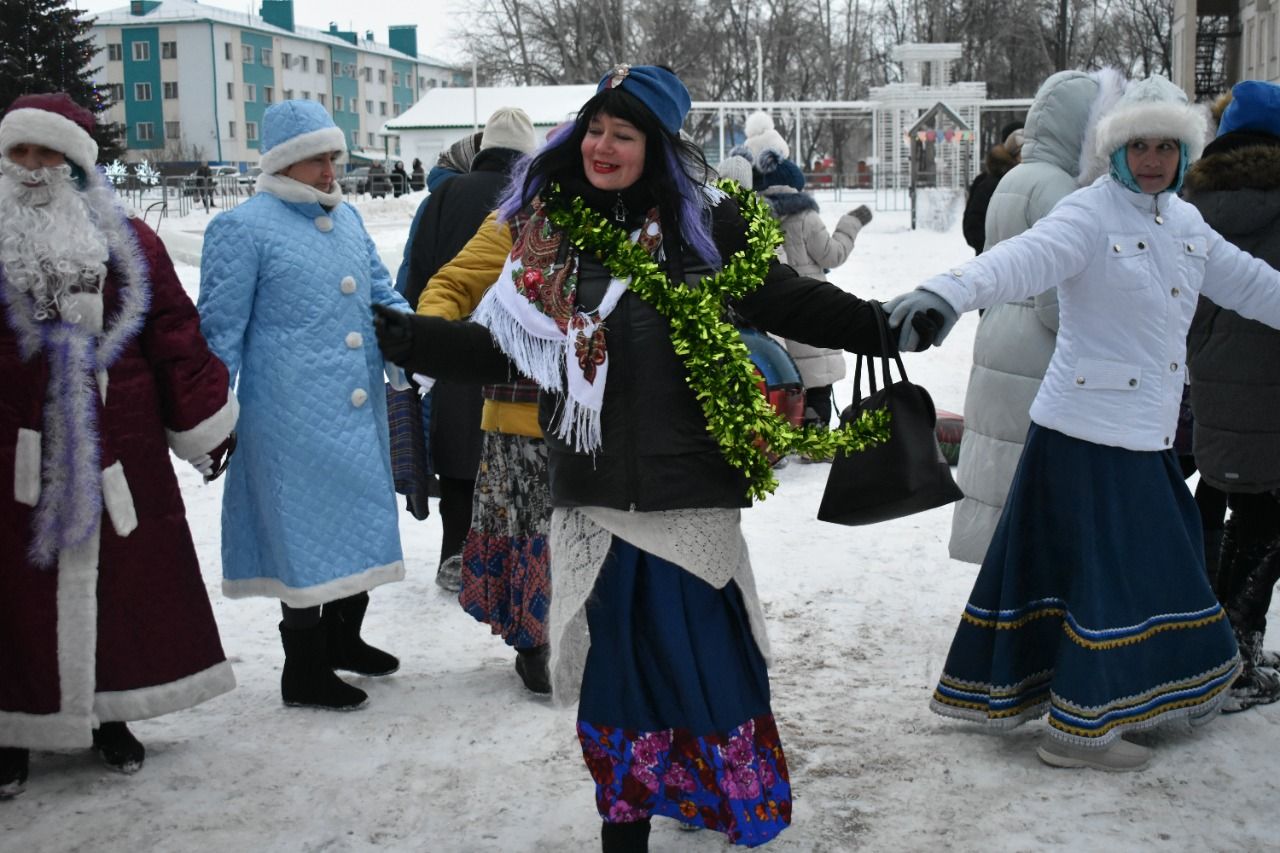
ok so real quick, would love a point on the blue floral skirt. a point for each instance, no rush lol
(674, 718)
(1093, 602)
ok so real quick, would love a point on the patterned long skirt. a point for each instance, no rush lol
(1092, 603)
(674, 718)
(506, 567)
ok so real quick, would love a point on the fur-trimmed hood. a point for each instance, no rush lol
(1061, 122)
(788, 201)
(1252, 165)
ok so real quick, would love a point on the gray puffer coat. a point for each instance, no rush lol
(1235, 387)
(811, 250)
(1015, 340)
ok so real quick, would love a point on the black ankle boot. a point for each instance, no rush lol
(119, 749)
(307, 679)
(341, 621)
(534, 668)
(14, 764)
(625, 837)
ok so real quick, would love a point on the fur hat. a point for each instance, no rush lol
(1254, 106)
(294, 130)
(654, 86)
(1151, 107)
(509, 127)
(762, 136)
(737, 168)
(54, 121)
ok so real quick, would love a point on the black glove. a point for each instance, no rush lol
(862, 213)
(395, 333)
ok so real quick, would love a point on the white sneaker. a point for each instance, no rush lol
(1119, 756)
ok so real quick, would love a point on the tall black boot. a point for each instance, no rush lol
(625, 837)
(342, 620)
(307, 679)
(533, 665)
(14, 764)
(119, 749)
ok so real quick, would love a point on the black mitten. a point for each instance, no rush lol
(395, 333)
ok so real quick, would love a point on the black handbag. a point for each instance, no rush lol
(904, 475)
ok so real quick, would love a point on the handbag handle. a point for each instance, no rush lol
(888, 345)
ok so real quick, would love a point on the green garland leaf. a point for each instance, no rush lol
(721, 374)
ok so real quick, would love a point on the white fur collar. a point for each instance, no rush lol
(287, 189)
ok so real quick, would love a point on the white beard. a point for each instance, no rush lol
(50, 247)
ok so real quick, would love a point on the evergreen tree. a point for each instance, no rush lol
(47, 48)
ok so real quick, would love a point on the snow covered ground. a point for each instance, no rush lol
(451, 754)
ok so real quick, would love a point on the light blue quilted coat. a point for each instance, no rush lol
(309, 511)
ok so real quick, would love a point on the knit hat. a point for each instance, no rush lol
(1152, 107)
(54, 121)
(775, 171)
(1255, 106)
(762, 136)
(655, 87)
(294, 130)
(509, 127)
(736, 168)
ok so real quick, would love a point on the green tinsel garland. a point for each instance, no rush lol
(739, 416)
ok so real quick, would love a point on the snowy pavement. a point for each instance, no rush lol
(451, 754)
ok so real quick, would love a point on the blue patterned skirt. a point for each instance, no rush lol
(1092, 602)
(674, 718)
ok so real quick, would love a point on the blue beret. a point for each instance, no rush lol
(657, 88)
(1255, 106)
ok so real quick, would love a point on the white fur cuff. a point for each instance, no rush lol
(26, 468)
(207, 434)
(118, 500)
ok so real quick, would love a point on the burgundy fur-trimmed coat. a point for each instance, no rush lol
(117, 625)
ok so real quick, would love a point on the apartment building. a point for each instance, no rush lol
(191, 82)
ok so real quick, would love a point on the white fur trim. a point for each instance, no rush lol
(26, 468)
(301, 147)
(207, 434)
(287, 189)
(51, 130)
(343, 587)
(1159, 119)
(118, 500)
(147, 702)
(1110, 87)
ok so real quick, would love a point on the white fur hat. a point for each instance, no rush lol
(1152, 107)
(762, 136)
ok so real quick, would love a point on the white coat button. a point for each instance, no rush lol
(1173, 366)
(1191, 247)
(1116, 247)
(1079, 380)
(324, 223)
(1160, 221)
(1174, 292)
(358, 397)
(957, 272)
(348, 285)
(354, 340)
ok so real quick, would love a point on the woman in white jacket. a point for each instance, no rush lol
(1092, 602)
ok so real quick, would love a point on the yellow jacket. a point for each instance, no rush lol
(454, 292)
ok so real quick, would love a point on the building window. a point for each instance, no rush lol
(141, 51)
(231, 91)
(368, 74)
(145, 131)
(168, 50)
(368, 107)
(306, 62)
(319, 66)
(170, 91)
(266, 56)
(382, 108)
(355, 138)
(306, 96)
(395, 81)
(351, 107)
(422, 82)
(117, 92)
(268, 94)
(288, 94)
(231, 130)
(350, 70)
(172, 130)
(337, 103)
(250, 92)
(142, 91)
(431, 84)
(250, 130)
(115, 52)
(226, 50)
(396, 109)
(321, 97)
(371, 138)
(285, 59)
(246, 52)
(382, 75)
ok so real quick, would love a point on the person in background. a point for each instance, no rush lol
(1000, 159)
(450, 217)
(1235, 398)
(104, 617)
(1093, 603)
(204, 185)
(454, 160)
(1014, 341)
(655, 624)
(417, 177)
(399, 179)
(309, 512)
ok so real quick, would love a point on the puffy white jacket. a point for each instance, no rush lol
(1129, 268)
